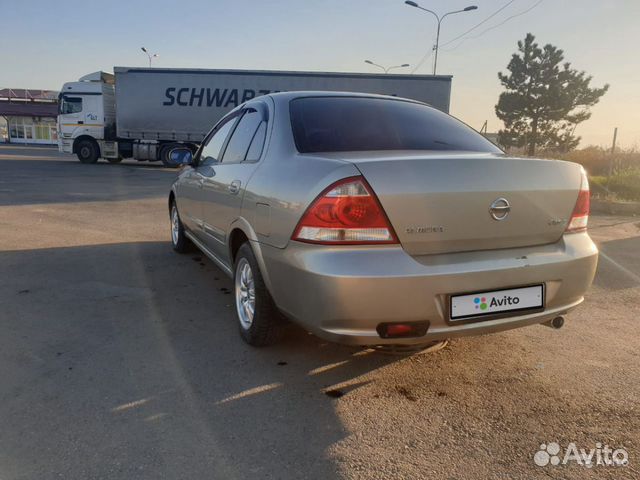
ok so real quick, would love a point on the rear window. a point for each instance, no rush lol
(347, 124)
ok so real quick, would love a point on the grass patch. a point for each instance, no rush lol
(623, 185)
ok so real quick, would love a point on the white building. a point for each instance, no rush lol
(30, 115)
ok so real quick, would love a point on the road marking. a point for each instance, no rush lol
(620, 267)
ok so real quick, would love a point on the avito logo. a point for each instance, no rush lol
(481, 302)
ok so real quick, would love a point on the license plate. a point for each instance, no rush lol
(496, 301)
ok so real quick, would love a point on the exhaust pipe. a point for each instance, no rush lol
(555, 323)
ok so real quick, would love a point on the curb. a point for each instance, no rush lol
(28, 145)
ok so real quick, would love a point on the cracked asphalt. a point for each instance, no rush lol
(120, 359)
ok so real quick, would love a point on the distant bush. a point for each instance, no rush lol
(596, 160)
(624, 185)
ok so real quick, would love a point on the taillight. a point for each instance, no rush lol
(347, 212)
(580, 215)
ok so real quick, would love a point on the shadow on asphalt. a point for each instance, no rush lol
(130, 353)
(624, 253)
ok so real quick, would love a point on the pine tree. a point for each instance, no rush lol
(545, 99)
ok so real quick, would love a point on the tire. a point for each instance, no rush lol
(179, 240)
(164, 156)
(87, 151)
(265, 326)
(114, 160)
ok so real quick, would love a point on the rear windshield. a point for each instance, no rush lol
(347, 124)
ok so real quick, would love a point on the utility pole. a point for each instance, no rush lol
(150, 55)
(611, 159)
(439, 20)
(386, 69)
(615, 136)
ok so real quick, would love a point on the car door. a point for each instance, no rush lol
(71, 114)
(188, 189)
(224, 187)
(191, 183)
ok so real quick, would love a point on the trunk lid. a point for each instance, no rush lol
(440, 202)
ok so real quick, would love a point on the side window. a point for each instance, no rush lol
(71, 105)
(238, 146)
(257, 144)
(211, 151)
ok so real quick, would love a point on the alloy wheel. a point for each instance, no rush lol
(245, 293)
(175, 225)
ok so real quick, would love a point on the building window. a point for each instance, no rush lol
(32, 130)
(43, 132)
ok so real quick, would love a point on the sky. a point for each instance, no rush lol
(45, 44)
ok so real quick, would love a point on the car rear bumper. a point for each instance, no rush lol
(343, 293)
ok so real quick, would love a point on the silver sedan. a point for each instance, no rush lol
(376, 220)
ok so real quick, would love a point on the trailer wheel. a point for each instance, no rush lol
(87, 151)
(164, 155)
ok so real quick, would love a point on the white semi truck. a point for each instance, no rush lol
(142, 113)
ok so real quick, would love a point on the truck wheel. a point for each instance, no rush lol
(114, 160)
(87, 151)
(164, 156)
(179, 240)
(259, 320)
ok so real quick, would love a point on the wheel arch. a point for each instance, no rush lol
(236, 238)
(172, 198)
(241, 232)
(81, 138)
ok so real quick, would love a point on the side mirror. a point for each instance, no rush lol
(181, 156)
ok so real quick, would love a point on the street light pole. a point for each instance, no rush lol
(439, 20)
(151, 57)
(386, 69)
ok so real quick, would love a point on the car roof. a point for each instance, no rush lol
(285, 97)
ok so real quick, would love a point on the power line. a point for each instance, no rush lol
(429, 53)
(421, 62)
(509, 18)
(481, 23)
(495, 26)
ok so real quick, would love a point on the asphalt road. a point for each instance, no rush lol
(120, 359)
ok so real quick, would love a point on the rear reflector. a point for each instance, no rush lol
(580, 216)
(400, 330)
(347, 212)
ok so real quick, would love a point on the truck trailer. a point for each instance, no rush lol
(144, 113)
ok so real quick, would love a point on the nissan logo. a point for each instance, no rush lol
(500, 209)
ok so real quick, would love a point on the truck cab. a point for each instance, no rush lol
(87, 120)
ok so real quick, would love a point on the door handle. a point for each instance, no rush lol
(234, 187)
